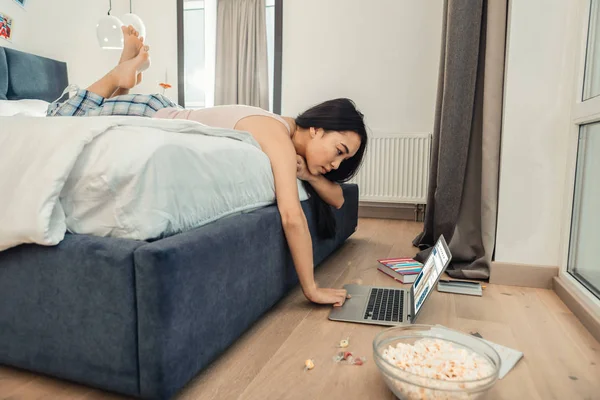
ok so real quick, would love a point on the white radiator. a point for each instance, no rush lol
(395, 169)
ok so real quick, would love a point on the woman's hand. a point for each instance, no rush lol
(302, 171)
(337, 297)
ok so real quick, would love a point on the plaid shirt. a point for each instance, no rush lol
(86, 103)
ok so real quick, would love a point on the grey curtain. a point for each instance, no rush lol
(241, 74)
(463, 182)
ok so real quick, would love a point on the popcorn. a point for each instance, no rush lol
(308, 365)
(440, 360)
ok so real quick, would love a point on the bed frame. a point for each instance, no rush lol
(134, 317)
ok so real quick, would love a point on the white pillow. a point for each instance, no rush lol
(27, 107)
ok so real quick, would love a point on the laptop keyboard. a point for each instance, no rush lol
(385, 305)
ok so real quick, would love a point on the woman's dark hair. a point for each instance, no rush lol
(334, 115)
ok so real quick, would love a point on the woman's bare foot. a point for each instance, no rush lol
(132, 43)
(125, 74)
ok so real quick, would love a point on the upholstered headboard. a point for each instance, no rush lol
(27, 76)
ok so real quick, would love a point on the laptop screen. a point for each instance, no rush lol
(429, 275)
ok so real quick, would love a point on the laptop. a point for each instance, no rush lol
(392, 306)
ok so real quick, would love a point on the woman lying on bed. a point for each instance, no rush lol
(322, 146)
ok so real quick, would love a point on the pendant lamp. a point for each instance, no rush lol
(108, 31)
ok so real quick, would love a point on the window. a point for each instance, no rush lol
(591, 84)
(583, 263)
(198, 36)
(195, 60)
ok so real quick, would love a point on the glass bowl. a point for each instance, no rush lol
(419, 384)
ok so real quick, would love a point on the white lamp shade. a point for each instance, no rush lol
(136, 22)
(109, 32)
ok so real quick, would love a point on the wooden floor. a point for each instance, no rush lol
(562, 360)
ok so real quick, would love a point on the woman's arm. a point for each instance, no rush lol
(280, 150)
(329, 191)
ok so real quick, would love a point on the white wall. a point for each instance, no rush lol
(383, 54)
(66, 30)
(539, 89)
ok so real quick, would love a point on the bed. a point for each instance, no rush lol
(140, 317)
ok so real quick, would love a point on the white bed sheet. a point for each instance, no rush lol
(127, 177)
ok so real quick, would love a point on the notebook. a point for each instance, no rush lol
(404, 270)
(460, 287)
